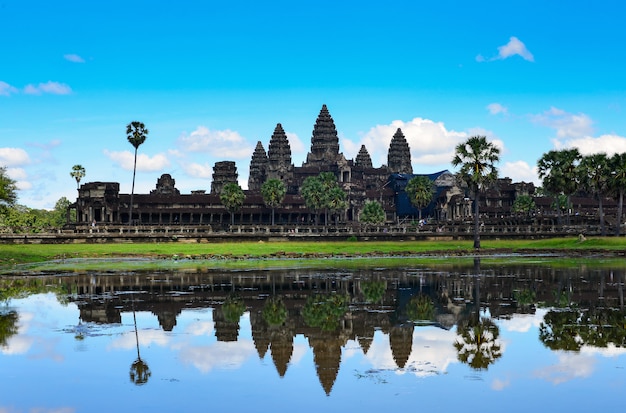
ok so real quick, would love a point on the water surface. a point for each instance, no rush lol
(492, 338)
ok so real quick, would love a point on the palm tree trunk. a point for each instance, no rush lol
(476, 223)
(620, 204)
(601, 212)
(272, 216)
(132, 192)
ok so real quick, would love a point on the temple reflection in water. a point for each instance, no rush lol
(331, 308)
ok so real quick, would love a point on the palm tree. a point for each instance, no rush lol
(312, 190)
(232, 198)
(594, 175)
(420, 190)
(136, 133)
(476, 157)
(273, 191)
(78, 173)
(336, 200)
(617, 184)
(139, 370)
(558, 170)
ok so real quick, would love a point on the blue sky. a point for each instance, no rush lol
(210, 79)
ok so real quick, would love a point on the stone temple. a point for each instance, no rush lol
(358, 177)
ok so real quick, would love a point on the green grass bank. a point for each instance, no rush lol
(32, 253)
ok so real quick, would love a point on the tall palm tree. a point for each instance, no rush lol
(336, 200)
(139, 370)
(273, 191)
(558, 170)
(594, 175)
(136, 133)
(232, 197)
(420, 190)
(314, 195)
(477, 159)
(78, 173)
(617, 185)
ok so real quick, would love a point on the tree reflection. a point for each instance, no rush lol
(420, 309)
(572, 329)
(233, 308)
(325, 311)
(8, 326)
(274, 311)
(373, 291)
(477, 344)
(139, 370)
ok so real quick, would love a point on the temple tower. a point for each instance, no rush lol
(223, 173)
(399, 155)
(279, 155)
(324, 142)
(258, 168)
(363, 159)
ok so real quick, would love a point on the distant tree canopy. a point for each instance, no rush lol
(8, 189)
(21, 219)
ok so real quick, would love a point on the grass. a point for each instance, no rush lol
(270, 254)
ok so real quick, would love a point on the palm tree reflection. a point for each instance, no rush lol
(139, 370)
(477, 344)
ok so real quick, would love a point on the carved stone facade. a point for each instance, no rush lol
(224, 172)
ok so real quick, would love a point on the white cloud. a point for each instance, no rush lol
(570, 366)
(125, 159)
(13, 157)
(74, 58)
(220, 355)
(20, 177)
(224, 144)
(6, 89)
(609, 144)
(514, 47)
(197, 170)
(496, 108)
(431, 143)
(576, 131)
(53, 88)
(567, 125)
(520, 171)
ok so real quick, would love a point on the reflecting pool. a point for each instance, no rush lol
(512, 338)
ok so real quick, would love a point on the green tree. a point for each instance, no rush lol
(8, 326)
(313, 192)
(477, 343)
(594, 175)
(617, 185)
(78, 173)
(336, 201)
(559, 172)
(8, 189)
(373, 213)
(136, 133)
(58, 216)
(273, 191)
(524, 204)
(420, 190)
(232, 198)
(476, 157)
(274, 311)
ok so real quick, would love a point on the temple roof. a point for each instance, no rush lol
(324, 141)
(399, 156)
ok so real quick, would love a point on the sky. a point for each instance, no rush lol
(209, 79)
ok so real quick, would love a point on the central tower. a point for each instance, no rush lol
(324, 142)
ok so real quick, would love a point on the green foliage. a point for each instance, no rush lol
(420, 190)
(273, 191)
(21, 219)
(524, 298)
(322, 192)
(233, 308)
(139, 372)
(373, 291)
(274, 311)
(232, 198)
(373, 213)
(136, 133)
(524, 204)
(325, 311)
(8, 190)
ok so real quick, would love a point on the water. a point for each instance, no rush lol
(304, 340)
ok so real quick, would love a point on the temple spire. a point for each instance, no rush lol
(258, 168)
(279, 154)
(324, 141)
(363, 159)
(399, 155)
